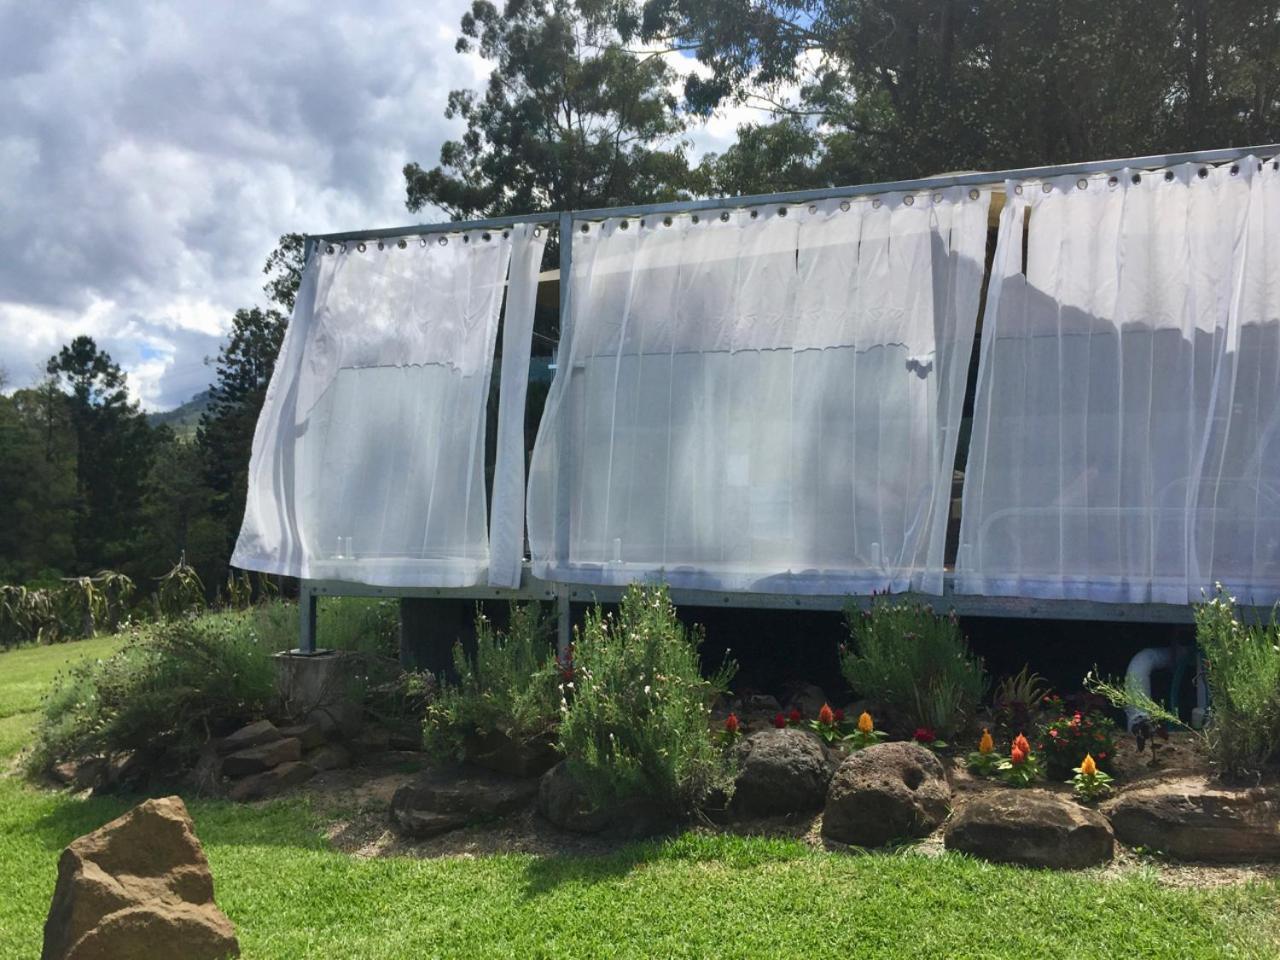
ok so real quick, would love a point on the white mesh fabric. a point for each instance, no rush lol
(1125, 443)
(761, 399)
(368, 459)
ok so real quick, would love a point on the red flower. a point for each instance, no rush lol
(825, 716)
(731, 724)
(1054, 733)
(1020, 744)
(795, 716)
(1017, 756)
(780, 722)
(924, 735)
(839, 715)
(1102, 755)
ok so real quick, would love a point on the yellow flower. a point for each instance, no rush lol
(864, 723)
(986, 744)
(1088, 768)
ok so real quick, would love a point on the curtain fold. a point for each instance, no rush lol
(1124, 443)
(368, 457)
(761, 399)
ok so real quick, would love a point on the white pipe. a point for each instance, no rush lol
(1137, 678)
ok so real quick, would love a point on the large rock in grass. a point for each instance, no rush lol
(441, 800)
(498, 752)
(887, 792)
(1190, 818)
(138, 887)
(1032, 828)
(780, 771)
(265, 756)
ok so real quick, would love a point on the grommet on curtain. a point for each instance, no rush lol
(466, 238)
(1202, 172)
(586, 228)
(666, 221)
(908, 201)
(1168, 175)
(1018, 189)
(754, 214)
(937, 198)
(641, 223)
(1275, 164)
(1082, 184)
(422, 241)
(844, 205)
(724, 216)
(380, 245)
(505, 234)
(694, 218)
(782, 211)
(1113, 180)
(486, 236)
(813, 208)
(875, 204)
(401, 243)
(1046, 188)
(974, 194)
(360, 246)
(1136, 178)
(443, 241)
(537, 231)
(329, 248)
(623, 225)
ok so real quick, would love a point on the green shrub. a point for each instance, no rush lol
(509, 687)
(1242, 665)
(360, 624)
(167, 691)
(67, 609)
(634, 718)
(915, 663)
(1065, 739)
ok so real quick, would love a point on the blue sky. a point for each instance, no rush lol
(151, 153)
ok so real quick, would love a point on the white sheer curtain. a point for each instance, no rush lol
(1125, 443)
(368, 458)
(761, 399)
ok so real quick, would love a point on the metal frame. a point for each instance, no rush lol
(564, 594)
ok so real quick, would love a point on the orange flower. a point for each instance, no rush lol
(865, 725)
(825, 716)
(1017, 756)
(1088, 767)
(986, 744)
(731, 724)
(1020, 743)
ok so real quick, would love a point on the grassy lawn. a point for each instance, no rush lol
(291, 896)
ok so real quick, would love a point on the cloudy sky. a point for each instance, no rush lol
(151, 153)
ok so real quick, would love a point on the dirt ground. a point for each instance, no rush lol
(354, 803)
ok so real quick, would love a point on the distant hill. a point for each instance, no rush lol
(183, 420)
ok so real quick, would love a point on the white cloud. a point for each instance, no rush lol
(151, 154)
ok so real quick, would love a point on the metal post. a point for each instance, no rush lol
(306, 619)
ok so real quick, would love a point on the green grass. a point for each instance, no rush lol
(290, 895)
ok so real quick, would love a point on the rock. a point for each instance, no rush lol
(332, 756)
(1033, 828)
(310, 735)
(780, 771)
(440, 800)
(245, 763)
(120, 772)
(563, 801)
(254, 735)
(886, 792)
(516, 758)
(809, 698)
(1189, 818)
(273, 781)
(138, 887)
(759, 703)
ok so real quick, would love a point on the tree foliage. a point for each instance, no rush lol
(569, 119)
